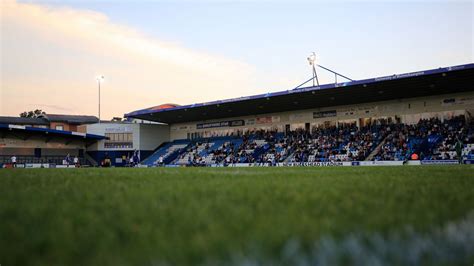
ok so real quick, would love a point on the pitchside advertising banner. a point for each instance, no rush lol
(377, 163)
(432, 162)
(320, 164)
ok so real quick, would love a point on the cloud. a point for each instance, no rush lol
(52, 55)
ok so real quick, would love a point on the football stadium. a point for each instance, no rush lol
(368, 172)
(373, 171)
(423, 117)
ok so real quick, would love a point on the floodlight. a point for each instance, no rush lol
(99, 79)
(312, 58)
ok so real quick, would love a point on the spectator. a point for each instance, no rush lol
(13, 160)
(76, 162)
(67, 159)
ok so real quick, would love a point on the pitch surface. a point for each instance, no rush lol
(185, 216)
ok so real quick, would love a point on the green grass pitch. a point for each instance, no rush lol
(237, 216)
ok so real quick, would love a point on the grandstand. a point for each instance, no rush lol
(426, 114)
(43, 147)
(429, 139)
(415, 118)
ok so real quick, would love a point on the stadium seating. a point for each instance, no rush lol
(168, 152)
(347, 143)
(430, 139)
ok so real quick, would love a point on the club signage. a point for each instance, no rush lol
(231, 123)
(323, 114)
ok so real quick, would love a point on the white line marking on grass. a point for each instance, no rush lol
(452, 244)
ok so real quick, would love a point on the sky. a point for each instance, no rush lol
(183, 52)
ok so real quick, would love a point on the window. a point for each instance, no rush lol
(59, 127)
(119, 141)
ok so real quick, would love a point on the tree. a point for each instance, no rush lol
(33, 114)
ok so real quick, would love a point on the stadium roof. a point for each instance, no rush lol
(26, 130)
(71, 119)
(23, 120)
(453, 79)
(45, 119)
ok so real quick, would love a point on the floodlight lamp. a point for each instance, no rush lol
(100, 78)
(312, 58)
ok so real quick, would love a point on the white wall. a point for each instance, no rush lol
(152, 135)
(145, 136)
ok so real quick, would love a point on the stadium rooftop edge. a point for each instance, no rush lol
(47, 131)
(454, 79)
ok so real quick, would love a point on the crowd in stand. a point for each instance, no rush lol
(230, 153)
(346, 143)
(430, 139)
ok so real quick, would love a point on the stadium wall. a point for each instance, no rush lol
(152, 135)
(408, 110)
